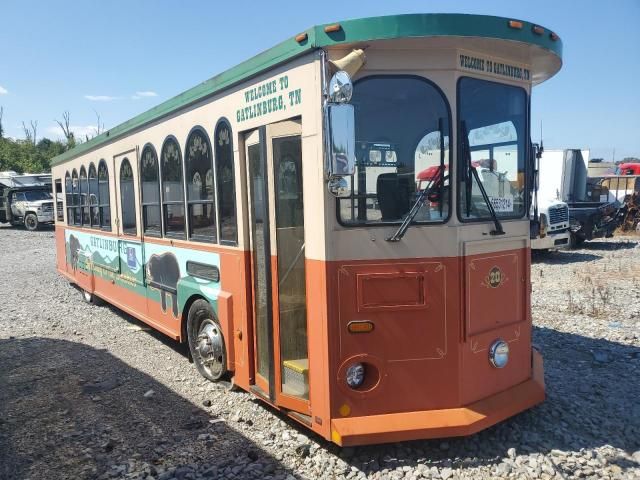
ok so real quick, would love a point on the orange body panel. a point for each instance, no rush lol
(434, 320)
(450, 422)
(428, 370)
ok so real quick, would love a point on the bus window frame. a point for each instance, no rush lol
(143, 225)
(75, 186)
(56, 202)
(93, 185)
(185, 227)
(127, 230)
(104, 226)
(527, 153)
(84, 197)
(450, 164)
(219, 124)
(215, 239)
(68, 198)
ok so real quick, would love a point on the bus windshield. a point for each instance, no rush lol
(493, 128)
(402, 142)
(37, 195)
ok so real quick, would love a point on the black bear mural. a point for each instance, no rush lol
(74, 251)
(163, 273)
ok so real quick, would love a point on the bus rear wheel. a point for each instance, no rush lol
(90, 298)
(206, 342)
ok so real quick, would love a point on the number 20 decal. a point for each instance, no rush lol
(495, 277)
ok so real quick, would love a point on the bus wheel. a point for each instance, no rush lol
(31, 222)
(206, 342)
(91, 298)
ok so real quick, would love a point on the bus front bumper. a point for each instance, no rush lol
(450, 422)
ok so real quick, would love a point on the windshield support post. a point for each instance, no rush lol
(466, 154)
(441, 193)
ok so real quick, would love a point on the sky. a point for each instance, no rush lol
(119, 58)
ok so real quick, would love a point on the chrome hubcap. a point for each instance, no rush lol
(87, 296)
(210, 347)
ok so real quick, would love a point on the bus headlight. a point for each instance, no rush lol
(355, 375)
(499, 353)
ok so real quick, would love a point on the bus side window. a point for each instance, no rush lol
(58, 200)
(151, 223)
(68, 190)
(225, 176)
(84, 202)
(94, 209)
(128, 199)
(172, 189)
(104, 199)
(76, 198)
(198, 161)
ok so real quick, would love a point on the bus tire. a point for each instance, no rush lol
(206, 342)
(90, 298)
(31, 222)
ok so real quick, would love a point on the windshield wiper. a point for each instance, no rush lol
(424, 194)
(498, 230)
(469, 180)
(437, 180)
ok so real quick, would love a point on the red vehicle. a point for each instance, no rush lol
(628, 169)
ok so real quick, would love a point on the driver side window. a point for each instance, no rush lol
(402, 152)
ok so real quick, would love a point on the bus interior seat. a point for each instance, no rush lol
(392, 191)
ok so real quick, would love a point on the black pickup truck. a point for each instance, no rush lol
(589, 220)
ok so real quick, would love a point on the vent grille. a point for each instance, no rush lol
(558, 214)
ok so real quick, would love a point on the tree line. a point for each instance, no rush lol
(31, 154)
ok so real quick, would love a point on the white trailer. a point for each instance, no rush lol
(554, 213)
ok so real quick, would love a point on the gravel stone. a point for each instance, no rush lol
(81, 367)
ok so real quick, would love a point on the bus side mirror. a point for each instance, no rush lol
(341, 140)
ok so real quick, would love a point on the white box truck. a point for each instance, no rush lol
(553, 213)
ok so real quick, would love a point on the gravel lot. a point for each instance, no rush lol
(88, 392)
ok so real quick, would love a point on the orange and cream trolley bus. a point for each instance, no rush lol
(339, 224)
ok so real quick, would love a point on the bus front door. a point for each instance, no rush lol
(276, 225)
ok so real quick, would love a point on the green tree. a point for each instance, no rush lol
(23, 156)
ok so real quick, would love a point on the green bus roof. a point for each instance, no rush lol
(351, 31)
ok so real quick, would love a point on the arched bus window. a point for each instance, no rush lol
(172, 189)
(200, 187)
(402, 148)
(93, 196)
(127, 199)
(76, 198)
(226, 183)
(493, 142)
(151, 224)
(68, 190)
(84, 200)
(104, 200)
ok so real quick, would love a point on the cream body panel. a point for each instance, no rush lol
(437, 60)
(302, 73)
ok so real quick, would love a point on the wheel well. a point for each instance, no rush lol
(185, 315)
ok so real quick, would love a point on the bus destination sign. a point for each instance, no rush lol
(268, 97)
(493, 67)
